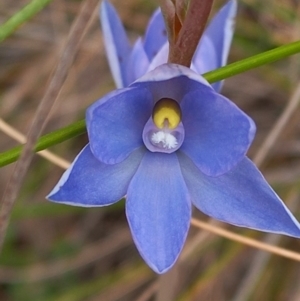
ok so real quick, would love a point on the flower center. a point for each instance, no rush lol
(166, 112)
(164, 132)
(165, 140)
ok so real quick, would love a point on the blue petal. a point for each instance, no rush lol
(217, 133)
(171, 81)
(161, 57)
(158, 210)
(138, 62)
(241, 197)
(115, 123)
(116, 43)
(88, 182)
(156, 35)
(219, 32)
(205, 58)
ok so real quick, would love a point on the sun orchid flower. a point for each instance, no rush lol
(167, 141)
(128, 63)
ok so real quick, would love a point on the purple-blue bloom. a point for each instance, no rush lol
(128, 63)
(168, 141)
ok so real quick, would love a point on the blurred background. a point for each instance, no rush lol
(62, 253)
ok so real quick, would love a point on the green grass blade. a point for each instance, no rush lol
(45, 141)
(26, 13)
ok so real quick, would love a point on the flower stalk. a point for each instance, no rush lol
(186, 28)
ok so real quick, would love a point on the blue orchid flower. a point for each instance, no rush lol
(167, 141)
(128, 63)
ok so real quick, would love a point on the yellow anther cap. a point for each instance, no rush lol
(166, 112)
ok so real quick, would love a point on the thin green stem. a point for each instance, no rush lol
(45, 141)
(253, 62)
(78, 128)
(26, 13)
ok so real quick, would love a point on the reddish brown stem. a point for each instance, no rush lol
(182, 51)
